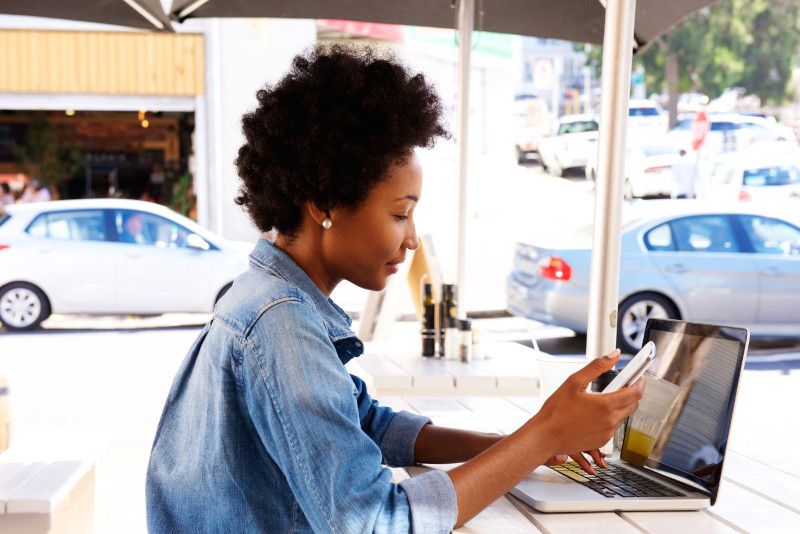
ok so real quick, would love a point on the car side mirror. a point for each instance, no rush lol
(197, 242)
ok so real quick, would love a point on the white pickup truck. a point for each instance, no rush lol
(573, 138)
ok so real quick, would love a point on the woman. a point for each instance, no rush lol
(264, 430)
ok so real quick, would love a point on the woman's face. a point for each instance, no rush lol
(366, 245)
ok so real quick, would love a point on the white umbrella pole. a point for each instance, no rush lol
(615, 91)
(466, 21)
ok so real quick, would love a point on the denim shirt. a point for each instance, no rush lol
(264, 430)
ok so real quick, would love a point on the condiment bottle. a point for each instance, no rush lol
(428, 316)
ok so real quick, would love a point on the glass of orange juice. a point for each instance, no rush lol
(645, 424)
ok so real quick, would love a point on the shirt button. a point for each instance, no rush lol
(357, 343)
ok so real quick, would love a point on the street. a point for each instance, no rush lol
(100, 383)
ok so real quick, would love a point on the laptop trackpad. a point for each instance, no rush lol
(544, 484)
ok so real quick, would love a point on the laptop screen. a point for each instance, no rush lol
(681, 427)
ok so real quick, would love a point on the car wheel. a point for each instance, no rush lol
(556, 169)
(521, 156)
(633, 314)
(541, 161)
(22, 306)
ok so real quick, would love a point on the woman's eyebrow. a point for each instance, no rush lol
(408, 197)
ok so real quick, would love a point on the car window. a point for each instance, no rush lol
(660, 150)
(724, 126)
(78, 225)
(659, 238)
(704, 233)
(643, 112)
(779, 175)
(771, 236)
(577, 127)
(141, 228)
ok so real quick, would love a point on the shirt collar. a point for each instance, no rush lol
(267, 256)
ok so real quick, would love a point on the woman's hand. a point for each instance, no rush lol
(578, 420)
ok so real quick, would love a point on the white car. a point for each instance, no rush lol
(768, 129)
(645, 117)
(109, 256)
(648, 168)
(727, 133)
(766, 173)
(573, 140)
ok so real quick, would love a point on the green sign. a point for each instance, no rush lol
(493, 44)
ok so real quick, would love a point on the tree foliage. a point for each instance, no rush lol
(44, 155)
(734, 43)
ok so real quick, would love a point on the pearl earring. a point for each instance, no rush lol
(327, 223)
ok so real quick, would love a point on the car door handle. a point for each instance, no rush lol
(677, 268)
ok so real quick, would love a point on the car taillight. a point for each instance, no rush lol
(554, 268)
(2, 246)
(744, 196)
(658, 169)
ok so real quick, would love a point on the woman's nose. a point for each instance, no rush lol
(412, 240)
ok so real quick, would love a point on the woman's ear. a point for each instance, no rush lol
(317, 214)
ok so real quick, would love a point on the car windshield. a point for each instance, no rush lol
(577, 127)
(779, 175)
(643, 112)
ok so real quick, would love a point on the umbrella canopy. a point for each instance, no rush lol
(571, 20)
(146, 14)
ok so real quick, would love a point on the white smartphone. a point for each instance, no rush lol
(635, 368)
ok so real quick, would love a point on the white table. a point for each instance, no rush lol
(508, 369)
(754, 497)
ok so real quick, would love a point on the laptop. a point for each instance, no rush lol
(694, 378)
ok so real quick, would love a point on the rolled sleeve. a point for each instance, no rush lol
(432, 499)
(397, 446)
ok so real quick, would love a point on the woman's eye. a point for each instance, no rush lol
(402, 217)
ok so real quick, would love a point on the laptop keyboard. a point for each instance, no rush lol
(615, 481)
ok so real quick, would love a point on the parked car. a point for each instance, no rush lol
(768, 129)
(736, 264)
(648, 167)
(100, 256)
(531, 124)
(645, 117)
(573, 139)
(727, 133)
(767, 172)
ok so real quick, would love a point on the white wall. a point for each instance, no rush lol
(242, 55)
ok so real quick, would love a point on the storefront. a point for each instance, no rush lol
(124, 102)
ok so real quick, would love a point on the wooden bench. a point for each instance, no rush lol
(47, 497)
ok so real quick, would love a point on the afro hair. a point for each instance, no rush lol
(330, 130)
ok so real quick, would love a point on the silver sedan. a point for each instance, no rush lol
(736, 264)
